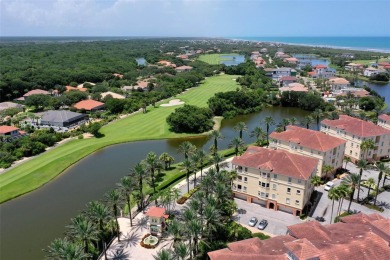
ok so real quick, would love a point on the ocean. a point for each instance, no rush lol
(376, 44)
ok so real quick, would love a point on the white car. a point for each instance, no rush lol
(329, 185)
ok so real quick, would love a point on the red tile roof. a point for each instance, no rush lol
(184, 68)
(70, 88)
(384, 117)
(303, 249)
(308, 138)
(288, 78)
(356, 126)
(320, 66)
(36, 92)
(88, 104)
(4, 129)
(310, 230)
(277, 161)
(359, 93)
(156, 212)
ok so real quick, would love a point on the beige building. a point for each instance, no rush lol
(275, 179)
(384, 121)
(156, 221)
(355, 131)
(327, 149)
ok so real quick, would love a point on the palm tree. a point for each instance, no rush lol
(307, 121)
(201, 156)
(268, 122)
(127, 187)
(367, 145)
(194, 229)
(99, 214)
(317, 114)
(151, 164)
(370, 183)
(114, 199)
(62, 248)
(216, 135)
(293, 120)
(327, 169)
(342, 191)
(181, 251)
(383, 169)
(332, 195)
(362, 165)
(175, 229)
(216, 159)
(163, 254)
(186, 148)
(211, 216)
(237, 144)
(188, 167)
(240, 127)
(316, 181)
(166, 159)
(347, 160)
(83, 230)
(259, 133)
(285, 123)
(139, 173)
(352, 181)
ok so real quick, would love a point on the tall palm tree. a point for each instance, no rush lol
(352, 181)
(367, 145)
(114, 199)
(216, 159)
(201, 156)
(163, 254)
(332, 195)
(186, 148)
(165, 158)
(194, 229)
(62, 248)
(188, 168)
(343, 192)
(382, 168)
(307, 121)
(317, 114)
(181, 251)
(259, 133)
(127, 187)
(100, 215)
(327, 169)
(361, 165)
(216, 135)
(293, 120)
(175, 229)
(268, 122)
(316, 181)
(285, 123)
(83, 230)
(240, 127)
(370, 183)
(237, 144)
(151, 163)
(140, 173)
(347, 160)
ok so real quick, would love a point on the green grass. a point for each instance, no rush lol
(152, 125)
(367, 62)
(214, 59)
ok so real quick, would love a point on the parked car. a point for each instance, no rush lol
(320, 219)
(263, 223)
(329, 185)
(252, 222)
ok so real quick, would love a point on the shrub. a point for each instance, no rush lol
(80, 137)
(260, 235)
(186, 196)
(374, 207)
(190, 119)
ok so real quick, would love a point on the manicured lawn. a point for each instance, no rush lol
(152, 125)
(213, 59)
(367, 62)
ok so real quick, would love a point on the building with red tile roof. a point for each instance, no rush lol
(291, 60)
(183, 68)
(10, 132)
(329, 150)
(70, 88)
(338, 83)
(349, 239)
(156, 221)
(118, 75)
(89, 105)
(166, 63)
(33, 92)
(384, 121)
(355, 131)
(297, 87)
(288, 174)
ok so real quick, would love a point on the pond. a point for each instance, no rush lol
(232, 60)
(313, 59)
(382, 89)
(141, 61)
(29, 223)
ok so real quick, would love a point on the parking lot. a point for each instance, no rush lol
(277, 220)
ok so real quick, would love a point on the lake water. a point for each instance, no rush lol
(232, 60)
(314, 60)
(382, 89)
(29, 223)
(141, 61)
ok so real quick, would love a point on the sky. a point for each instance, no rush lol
(198, 18)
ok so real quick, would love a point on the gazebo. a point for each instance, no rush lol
(156, 222)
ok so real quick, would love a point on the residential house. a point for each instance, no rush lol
(357, 236)
(183, 57)
(183, 68)
(112, 94)
(264, 50)
(279, 72)
(276, 179)
(281, 55)
(356, 92)
(260, 62)
(337, 84)
(297, 87)
(62, 118)
(322, 71)
(384, 66)
(10, 132)
(291, 60)
(89, 105)
(9, 105)
(166, 63)
(371, 71)
(384, 121)
(354, 67)
(355, 131)
(285, 80)
(156, 221)
(327, 149)
(33, 92)
(70, 88)
(118, 75)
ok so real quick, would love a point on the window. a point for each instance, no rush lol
(239, 187)
(246, 169)
(273, 196)
(299, 181)
(239, 168)
(298, 192)
(267, 195)
(264, 175)
(263, 184)
(275, 176)
(267, 185)
(239, 178)
(351, 145)
(262, 194)
(274, 186)
(259, 183)
(287, 200)
(350, 152)
(289, 179)
(301, 148)
(245, 179)
(244, 188)
(288, 190)
(297, 202)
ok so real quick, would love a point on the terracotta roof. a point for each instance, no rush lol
(320, 66)
(288, 78)
(361, 218)
(341, 81)
(358, 93)
(183, 68)
(356, 126)
(88, 104)
(303, 249)
(70, 88)
(384, 117)
(4, 129)
(156, 212)
(278, 161)
(113, 95)
(297, 88)
(36, 92)
(310, 230)
(308, 138)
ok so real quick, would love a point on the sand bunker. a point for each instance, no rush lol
(173, 102)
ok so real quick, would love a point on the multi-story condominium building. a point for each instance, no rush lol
(355, 132)
(276, 179)
(384, 121)
(327, 149)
